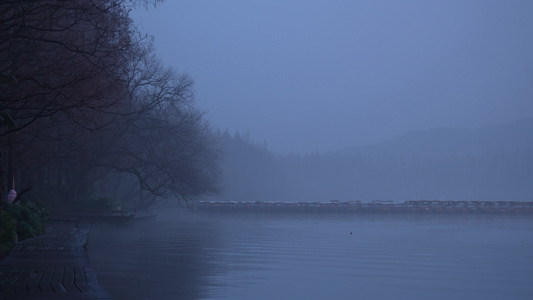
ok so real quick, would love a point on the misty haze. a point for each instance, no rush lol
(154, 149)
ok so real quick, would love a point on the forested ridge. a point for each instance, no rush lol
(493, 163)
(88, 112)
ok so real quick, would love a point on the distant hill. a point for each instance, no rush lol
(448, 142)
(491, 163)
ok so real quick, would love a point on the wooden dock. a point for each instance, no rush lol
(52, 266)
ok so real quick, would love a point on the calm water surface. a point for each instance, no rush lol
(244, 256)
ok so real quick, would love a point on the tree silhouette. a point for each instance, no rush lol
(91, 98)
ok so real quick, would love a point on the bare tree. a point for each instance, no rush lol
(91, 98)
(162, 140)
(69, 58)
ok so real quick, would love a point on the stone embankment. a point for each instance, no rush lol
(52, 266)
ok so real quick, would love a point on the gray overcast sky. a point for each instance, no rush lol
(322, 75)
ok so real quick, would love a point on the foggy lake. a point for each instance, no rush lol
(110, 107)
(310, 256)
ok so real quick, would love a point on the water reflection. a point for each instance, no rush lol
(246, 256)
(161, 259)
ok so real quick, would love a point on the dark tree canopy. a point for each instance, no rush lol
(83, 98)
(68, 57)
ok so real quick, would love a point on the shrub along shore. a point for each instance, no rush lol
(20, 221)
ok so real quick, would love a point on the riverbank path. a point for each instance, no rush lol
(52, 266)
